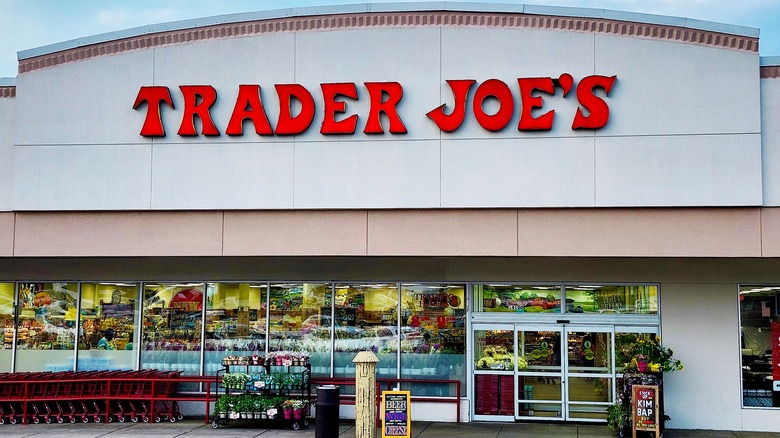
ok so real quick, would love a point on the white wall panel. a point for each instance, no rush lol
(7, 131)
(89, 102)
(701, 321)
(222, 176)
(770, 139)
(658, 148)
(225, 64)
(409, 56)
(505, 173)
(666, 88)
(509, 54)
(74, 177)
(386, 174)
(693, 170)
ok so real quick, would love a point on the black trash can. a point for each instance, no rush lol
(327, 416)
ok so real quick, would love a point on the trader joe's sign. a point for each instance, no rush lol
(644, 403)
(383, 99)
(396, 415)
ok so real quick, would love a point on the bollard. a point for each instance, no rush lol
(365, 394)
(327, 415)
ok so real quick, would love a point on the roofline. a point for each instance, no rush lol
(445, 6)
(769, 61)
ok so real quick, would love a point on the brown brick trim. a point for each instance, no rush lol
(7, 92)
(771, 71)
(397, 19)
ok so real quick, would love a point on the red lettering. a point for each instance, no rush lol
(198, 99)
(376, 92)
(249, 105)
(154, 97)
(530, 102)
(460, 91)
(332, 106)
(599, 110)
(499, 90)
(287, 124)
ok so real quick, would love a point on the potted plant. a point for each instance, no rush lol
(298, 406)
(222, 407)
(619, 419)
(287, 408)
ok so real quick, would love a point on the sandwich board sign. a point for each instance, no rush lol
(396, 414)
(644, 406)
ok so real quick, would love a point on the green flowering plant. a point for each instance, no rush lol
(634, 350)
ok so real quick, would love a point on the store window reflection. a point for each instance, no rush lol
(172, 324)
(47, 326)
(107, 332)
(517, 298)
(235, 321)
(7, 291)
(299, 321)
(759, 316)
(612, 299)
(433, 332)
(366, 319)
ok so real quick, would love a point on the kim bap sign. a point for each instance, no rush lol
(590, 93)
(644, 403)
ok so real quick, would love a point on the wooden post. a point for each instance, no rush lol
(365, 394)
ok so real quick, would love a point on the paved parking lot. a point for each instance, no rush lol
(247, 428)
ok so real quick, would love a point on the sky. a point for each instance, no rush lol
(26, 24)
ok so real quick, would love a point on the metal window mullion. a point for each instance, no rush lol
(137, 325)
(332, 329)
(267, 316)
(16, 326)
(203, 302)
(78, 328)
(398, 325)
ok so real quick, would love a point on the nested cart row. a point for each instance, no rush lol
(88, 395)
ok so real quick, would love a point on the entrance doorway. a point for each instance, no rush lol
(551, 372)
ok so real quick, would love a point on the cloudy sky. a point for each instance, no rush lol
(26, 24)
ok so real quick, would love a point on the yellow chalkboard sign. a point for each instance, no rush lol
(396, 414)
(644, 404)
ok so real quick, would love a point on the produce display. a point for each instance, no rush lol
(496, 357)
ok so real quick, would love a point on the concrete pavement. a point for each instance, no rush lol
(248, 428)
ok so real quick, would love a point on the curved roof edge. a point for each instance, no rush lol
(393, 7)
(770, 67)
(770, 61)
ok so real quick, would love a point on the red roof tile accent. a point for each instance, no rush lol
(7, 92)
(397, 19)
(770, 71)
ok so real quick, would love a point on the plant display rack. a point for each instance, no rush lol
(267, 386)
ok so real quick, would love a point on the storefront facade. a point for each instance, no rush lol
(330, 180)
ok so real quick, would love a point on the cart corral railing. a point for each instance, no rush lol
(390, 383)
(146, 395)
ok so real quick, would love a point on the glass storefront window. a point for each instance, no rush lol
(235, 321)
(300, 321)
(172, 326)
(612, 299)
(517, 298)
(759, 312)
(366, 319)
(433, 332)
(46, 332)
(107, 332)
(7, 323)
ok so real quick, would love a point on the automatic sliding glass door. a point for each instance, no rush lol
(564, 372)
(589, 372)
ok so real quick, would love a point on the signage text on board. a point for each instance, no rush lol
(383, 98)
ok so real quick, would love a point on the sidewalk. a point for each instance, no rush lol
(246, 429)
